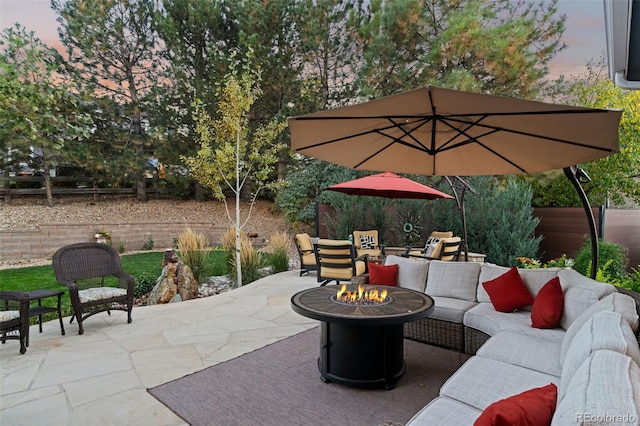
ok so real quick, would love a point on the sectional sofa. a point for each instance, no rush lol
(583, 366)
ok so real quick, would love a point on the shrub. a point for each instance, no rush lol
(632, 281)
(279, 245)
(144, 284)
(612, 260)
(194, 250)
(148, 245)
(500, 220)
(560, 262)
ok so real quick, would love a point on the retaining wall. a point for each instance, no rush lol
(44, 241)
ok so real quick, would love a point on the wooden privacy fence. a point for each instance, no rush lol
(565, 230)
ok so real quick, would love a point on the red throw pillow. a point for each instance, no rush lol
(548, 305)
(534, 407)
(383, 274)
(508, 292)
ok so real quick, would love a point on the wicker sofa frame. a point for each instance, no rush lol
(445, 334)
(83, 266)
(15, 328)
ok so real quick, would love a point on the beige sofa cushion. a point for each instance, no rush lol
(604, 390)
(482, 381)
(615, 302)
(526, 351)
(604, 330)
(580, 293)
(453, 279)
(534, 279)
(485, 318)
(412, 274)
(445, 411)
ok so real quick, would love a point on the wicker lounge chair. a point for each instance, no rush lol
(14, 317)
(91, 272)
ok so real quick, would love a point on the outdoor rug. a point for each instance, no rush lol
(279, 384)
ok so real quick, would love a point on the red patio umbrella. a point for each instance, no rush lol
(388, 185)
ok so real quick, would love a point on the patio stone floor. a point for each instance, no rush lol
(101, 377)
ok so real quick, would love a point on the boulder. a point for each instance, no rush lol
(174, 285)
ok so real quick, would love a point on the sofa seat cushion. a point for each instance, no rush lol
(525, 351)
(534, 279)
(604, 330)
(615, 302)
(445, 411)
(482, 381)
(604, 390)
(580, 293)
(533, 407)
(412, 274)
(448, 309)
(458, 280)
(485, 318)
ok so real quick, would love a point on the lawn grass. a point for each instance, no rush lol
(42, 277)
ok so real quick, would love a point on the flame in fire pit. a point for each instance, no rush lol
(361, 297)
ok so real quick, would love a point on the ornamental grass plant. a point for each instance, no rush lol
(279, 245)
(250, 259)
(194, 250)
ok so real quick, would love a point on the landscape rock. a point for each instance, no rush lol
(176, 279)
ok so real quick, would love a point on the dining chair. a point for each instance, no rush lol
(337, 260)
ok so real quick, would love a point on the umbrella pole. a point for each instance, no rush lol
(575, 174)
(460, 203)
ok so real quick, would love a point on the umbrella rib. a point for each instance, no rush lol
(518, 132)
(423, 120)
(377, 130)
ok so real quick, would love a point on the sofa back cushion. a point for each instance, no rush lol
(453, 279)
(615, 302)
(534, 279)
(604, 330)
(580, 293)
(604, 390)
(412, 274)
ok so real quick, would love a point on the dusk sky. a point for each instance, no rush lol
(584, 35)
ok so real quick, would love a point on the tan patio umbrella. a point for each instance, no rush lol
(434, 131)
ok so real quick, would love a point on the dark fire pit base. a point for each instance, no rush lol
(362, 356)
(362, 345)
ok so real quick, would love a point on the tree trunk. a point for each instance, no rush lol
(199, 195)
(47, 178)
(141, 190)
(238, 230)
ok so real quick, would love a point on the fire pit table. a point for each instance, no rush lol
(362, 344)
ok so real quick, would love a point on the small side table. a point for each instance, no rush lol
(39, 310)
